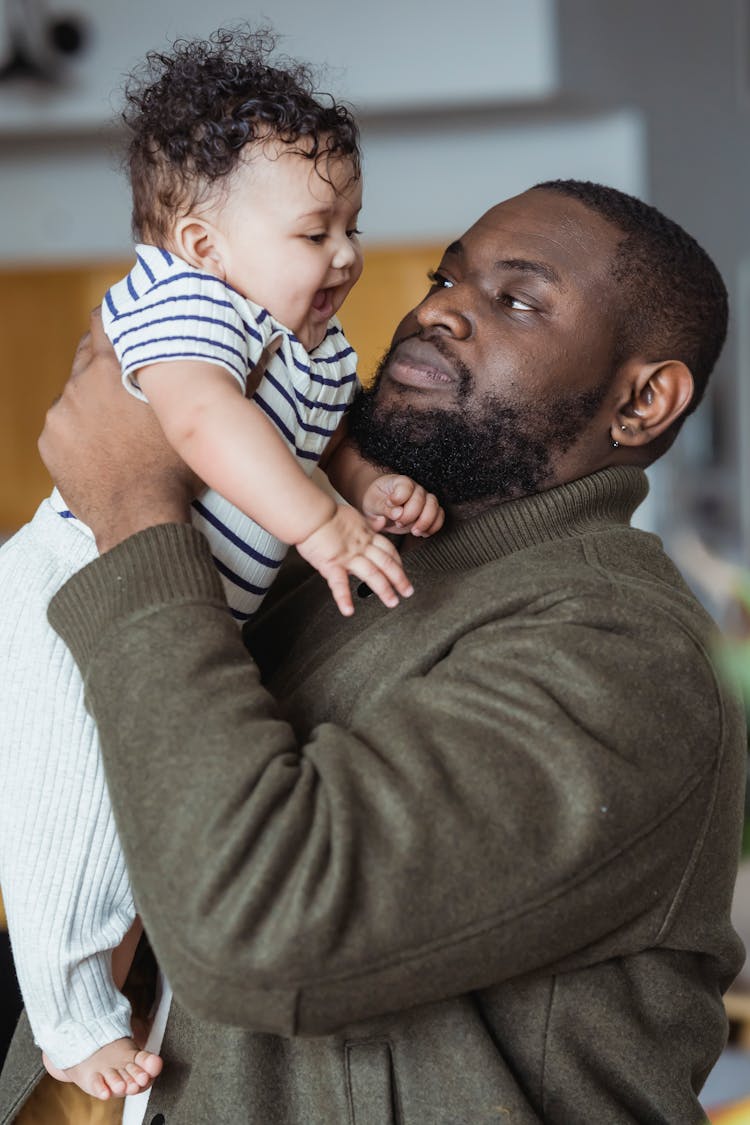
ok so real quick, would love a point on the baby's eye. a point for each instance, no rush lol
(439, 280)
(353, 233)
(317, 238)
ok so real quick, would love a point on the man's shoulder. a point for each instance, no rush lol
(616, 563)
(621, 561)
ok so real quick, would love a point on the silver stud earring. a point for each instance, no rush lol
(615, 444)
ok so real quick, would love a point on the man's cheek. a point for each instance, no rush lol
(405, 328)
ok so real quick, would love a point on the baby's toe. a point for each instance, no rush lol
(129, 1082)
(138, 1075)
(115, 1081)
(151, 1063)
(98, 1088)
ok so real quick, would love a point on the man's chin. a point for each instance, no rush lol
(395, 420)
(392, 400)
(459, 456)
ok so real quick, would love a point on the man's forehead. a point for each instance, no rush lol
(544, 227)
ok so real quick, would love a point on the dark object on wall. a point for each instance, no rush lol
(10, 997)
(38, 43)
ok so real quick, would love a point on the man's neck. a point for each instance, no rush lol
(558, 475)
(467, 511)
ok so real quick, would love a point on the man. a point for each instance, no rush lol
(470, 859)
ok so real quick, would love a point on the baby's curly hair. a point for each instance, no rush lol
(192, 111)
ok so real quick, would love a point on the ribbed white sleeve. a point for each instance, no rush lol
(62, 873)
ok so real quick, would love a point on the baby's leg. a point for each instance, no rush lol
(123, 1067)
(64, 882)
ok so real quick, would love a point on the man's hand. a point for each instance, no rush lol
(345, 544)
(398, 504)
(106, 452)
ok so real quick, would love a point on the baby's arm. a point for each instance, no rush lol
(227, 440)
(391, 502)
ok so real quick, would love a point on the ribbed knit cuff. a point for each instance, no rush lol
(167, 564)
(71, 1041)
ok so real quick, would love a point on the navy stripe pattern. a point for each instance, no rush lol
(163, 311)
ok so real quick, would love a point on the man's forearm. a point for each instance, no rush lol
(295, 882)
(349, 473)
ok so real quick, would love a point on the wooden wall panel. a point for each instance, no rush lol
(393, 282)
(44, 311)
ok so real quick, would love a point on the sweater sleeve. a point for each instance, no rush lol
(495, 820)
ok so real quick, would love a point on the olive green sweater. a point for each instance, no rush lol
(469, 860)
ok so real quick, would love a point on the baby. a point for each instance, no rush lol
(246, 195)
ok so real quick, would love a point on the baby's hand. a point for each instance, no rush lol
(400, 505)
(345, 545)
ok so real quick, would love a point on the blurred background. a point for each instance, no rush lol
(461, 105)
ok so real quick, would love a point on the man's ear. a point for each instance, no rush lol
(201, 245)
(654, 395)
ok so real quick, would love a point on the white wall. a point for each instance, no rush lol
(394, 54)
(427, 180)
(67, 199)
(63, 200)
(452, 120)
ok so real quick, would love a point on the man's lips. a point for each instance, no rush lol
(418, 363)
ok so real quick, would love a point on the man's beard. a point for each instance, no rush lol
(479, 450)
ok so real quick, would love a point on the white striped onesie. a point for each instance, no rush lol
(62, 873)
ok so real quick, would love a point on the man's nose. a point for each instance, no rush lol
(442, 310)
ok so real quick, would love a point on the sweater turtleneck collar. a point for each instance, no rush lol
(607, 497)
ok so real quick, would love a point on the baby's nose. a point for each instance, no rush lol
(345, 255)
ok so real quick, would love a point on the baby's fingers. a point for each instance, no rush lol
(377, 523)
(414, 506)
(431, 517)
(386, 557)
(383, 574)
(368, 573)
(338, 583)
(398, 490)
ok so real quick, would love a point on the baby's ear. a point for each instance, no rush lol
(200, 244)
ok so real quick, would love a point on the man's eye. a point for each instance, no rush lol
(439, 280)
(516, 302)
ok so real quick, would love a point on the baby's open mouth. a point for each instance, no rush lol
(322, 302)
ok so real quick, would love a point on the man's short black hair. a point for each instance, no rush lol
(674, 301)
(192, 112)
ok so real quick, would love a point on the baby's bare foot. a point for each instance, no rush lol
(117, 1070)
